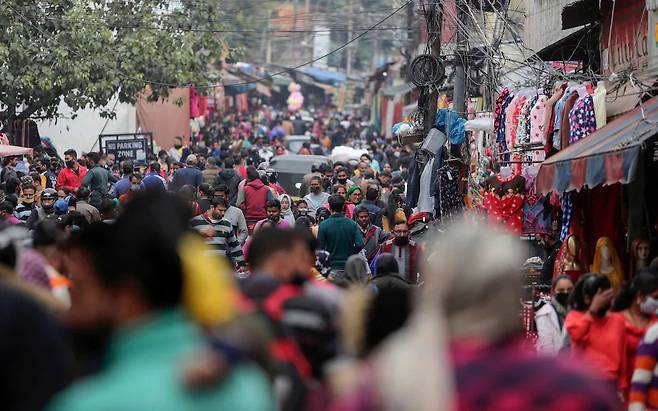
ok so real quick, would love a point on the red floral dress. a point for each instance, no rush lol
(504, 201)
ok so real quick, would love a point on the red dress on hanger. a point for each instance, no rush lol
(504, 201)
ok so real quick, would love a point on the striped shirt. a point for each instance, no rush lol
(644, 385)
(223, 242)
(23, 212)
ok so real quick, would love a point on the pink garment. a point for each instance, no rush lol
(537, 120)
(349, 209)
(512, 120)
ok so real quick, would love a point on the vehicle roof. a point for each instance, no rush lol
(293, 162)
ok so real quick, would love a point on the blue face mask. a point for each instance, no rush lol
(649, 305)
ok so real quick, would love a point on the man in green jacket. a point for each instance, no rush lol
(339, 235)
(139, 297)
(97, 178)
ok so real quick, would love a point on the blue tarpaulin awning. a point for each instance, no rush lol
(324, 76)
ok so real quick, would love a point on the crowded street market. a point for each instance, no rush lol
(312, 216)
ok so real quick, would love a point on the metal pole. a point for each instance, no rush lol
(459, 91)
(348, 62)
(436, 16)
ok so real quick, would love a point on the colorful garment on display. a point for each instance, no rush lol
(523, 127)
(537, 216)
(499, 124)
(512, 120)
(567, 210)
(582, 120)
(504, 201)
(449, 202)
(538, 120)
(569, 259)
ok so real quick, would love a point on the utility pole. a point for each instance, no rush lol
(459, 91)
(268, 47)
(434, 31)
(348, 62)
(308, 26)
(293, 44)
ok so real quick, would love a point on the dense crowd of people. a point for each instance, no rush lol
(194, 281)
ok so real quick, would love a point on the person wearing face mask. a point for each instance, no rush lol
(405, 251)
(637, 301)
(598, 336)
(176, 153)
(317, 197)
(26, 203)
(71, 177)
(342, 178)
(550, 317)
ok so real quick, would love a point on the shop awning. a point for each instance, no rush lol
(608, 156)
(324, 76)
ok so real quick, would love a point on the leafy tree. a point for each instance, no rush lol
(86, 51)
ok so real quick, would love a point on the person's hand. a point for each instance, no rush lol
(602, 299)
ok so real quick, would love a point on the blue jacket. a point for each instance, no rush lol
(186, 176)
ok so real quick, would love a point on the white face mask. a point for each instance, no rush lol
(649, 306)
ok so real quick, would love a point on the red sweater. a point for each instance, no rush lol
(600, 342)
(71, 179)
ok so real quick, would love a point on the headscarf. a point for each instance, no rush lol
(356, 270)
(351, 190)
(616, 277)
(287, 215)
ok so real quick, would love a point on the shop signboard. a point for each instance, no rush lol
(652, 10)
(624, 40)
(135, 146)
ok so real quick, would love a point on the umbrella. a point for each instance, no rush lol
(8, 151)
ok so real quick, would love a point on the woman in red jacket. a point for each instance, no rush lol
(598, 336)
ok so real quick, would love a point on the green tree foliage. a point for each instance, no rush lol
(86, 51)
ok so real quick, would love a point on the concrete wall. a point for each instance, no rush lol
(81, 133)
(543, 25)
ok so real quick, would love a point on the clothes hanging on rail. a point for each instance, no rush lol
(449, 203)
(582, 120)
(504, 201)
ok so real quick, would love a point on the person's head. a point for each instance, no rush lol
(149, 277)
(365, 158)
(362, 216)
(640, 293)
(341, 175)
(285, 201)
(93, 159)
(28, 194)
(229, 163)
(586, 288)
(218, 209)
(191, 160)
(70, 157)
(273, 208)
(339, 189)
(356, 270)
(135, 180)
(385, 178)
(302, 207)
(201, 159)
(156, 167)
(322, 214)
(252, 173)
(336, 204)
(287, 255)
(387, 168)
(110, 160)
(363, 167)
(372, 194)
(127, 168)
(42, 165)
(178, 142)
(48, 197)
(641, 249)
(211, 162)
(561, 289)
(401, 233)
(63, 192)
(354, 195)
(108, 209)
(205, 191)
(12, 185)
(386, 265)
(83, 193)
(6, 209)
(221, 190)
(315, 184)
(546, 240)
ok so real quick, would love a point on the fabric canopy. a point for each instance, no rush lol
(607, 156)
(324, 76)
(9, 151)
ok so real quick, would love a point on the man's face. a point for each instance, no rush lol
(363, 167)
(363, 218)
(385, 180)
(110, 160)
(302, 208)
(388, 168)
(14, 161)
(273, 213)
(28, 195)
(342, 177)
(401, 230)
(315, 185)
(218, 212)
(40, 167)
(221, 194)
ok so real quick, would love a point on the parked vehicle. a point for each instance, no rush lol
(292, 168)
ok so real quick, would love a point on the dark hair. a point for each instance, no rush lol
(360, 209)
(341, 169)
(44, 161)
(386, 264)
(273, 203)
(93, 156)
(71, 152)
(252, 173)
(7, 207)
(322, 214)
(587, 286)
(12, 184)
(300, 222)
(27, 187)
(558, 279)
(127, 167)
(316, 178)
(223, 188)
(155, 167)
(206, 189)
(336, 203)
(83, 193)
(47, 232)
(217, 200)
(301, 201)
(645, 283)
(146, 235)
(107, 205)
(268, 241)
(228, 162)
